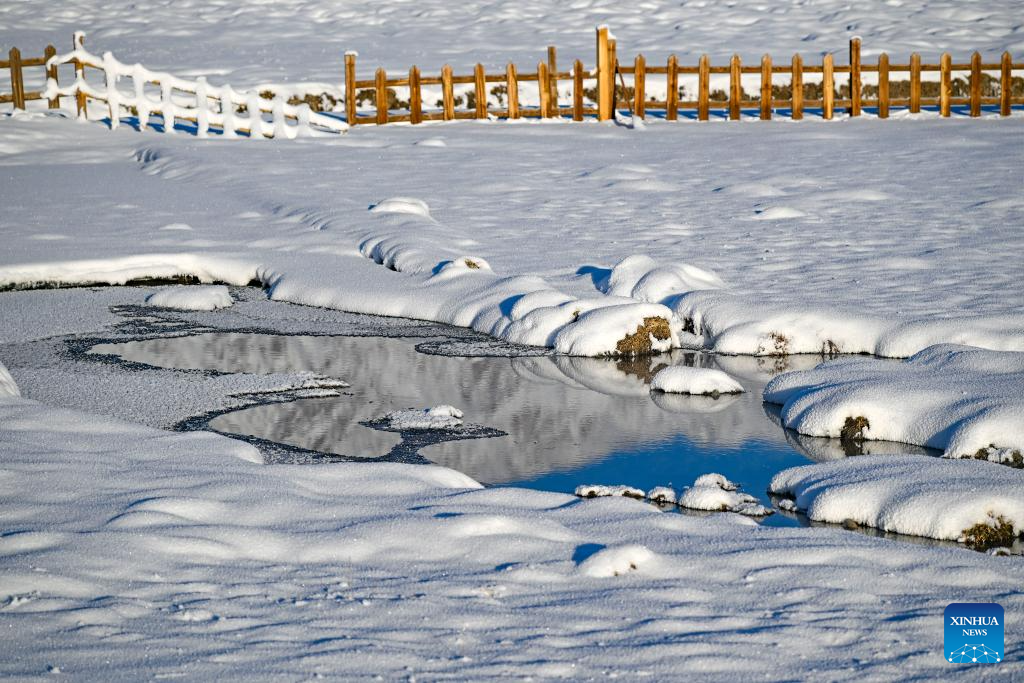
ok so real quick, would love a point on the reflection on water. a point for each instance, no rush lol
(567, 420)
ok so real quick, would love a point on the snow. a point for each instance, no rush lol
(699, 381)
(908, 494)
(661, 494)
(438, 417)
(953, 398)
(410, 205)
(191, 297)
(8, 387)
(602, 491)
(713, 492)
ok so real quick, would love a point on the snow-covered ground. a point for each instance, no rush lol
(126, 551)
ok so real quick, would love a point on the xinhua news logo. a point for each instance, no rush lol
(974, 633)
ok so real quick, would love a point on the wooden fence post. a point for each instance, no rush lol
(639, 85)
(828, 87)
(512, 86)
(1005, 84)
(577, 91)
(883, 86)
(51, 72)
(703, 88)
(855, 81)
(381, 95)
(81, 103)
(544, 90)
(613, 59)
(915, 83)
(605, 76)
(766, 88)
(735, 87)
(17, 80)
(672, 89)
(480, 86)
(976, 85)
(350, 88)
(447, 93)
(553, 79)
(796, 88)
(415, 96)
(946, 85)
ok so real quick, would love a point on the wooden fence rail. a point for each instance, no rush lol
(792, 88)
(793, 93)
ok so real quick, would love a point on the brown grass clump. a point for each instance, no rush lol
(1016, 459)
(851, 436)
(639, 343)
(777, 345)
(997, 532)
(471, 264)
(829, 349)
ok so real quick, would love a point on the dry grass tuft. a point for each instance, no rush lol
(639, 343)
(997, 532)
(852, 435)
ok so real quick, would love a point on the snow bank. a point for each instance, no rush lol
(601, 491)
(191, 297)
(908, 494)
(438, 417)
(680, 379)
(967, 402)
(410, 205)
(616, 560)
(714, 492)
(753, 324)
(643, 278)
(8, 387)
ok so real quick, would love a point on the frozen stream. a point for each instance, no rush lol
(566, 421)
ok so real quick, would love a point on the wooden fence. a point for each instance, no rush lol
(608, 91)
(206, 107)
(791, 89)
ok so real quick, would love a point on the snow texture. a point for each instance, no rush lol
(699, 381)
(602, 491)
(908, 494)
(191, 297)
(957, 399)
(438, 417)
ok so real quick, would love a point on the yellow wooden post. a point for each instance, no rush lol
(735, 87)
(796, 87)
(447, 93)
(855, 81)
(1005, 84)
(915, 83)
(553, 79)
(543, 89)
(672, 89)
(703, 88)
(605, 76)
(415, 96)
(381, 96)
(81, 103)
(350, 88)
(946, 84)
(766, 88)
(828, 87)
(480, 87)
(976, 85)
(577, 91)
(883, 86)
(51, 72)
(512, 85)
(613, 59)
(639, 85)
(17, 78)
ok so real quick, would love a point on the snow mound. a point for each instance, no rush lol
(716, 493)
(625, 329)
(438, 417)
(8, 387)
(968, 402)
(191, 297)
(616, 560)
(661, 494)
(431, 142)
(644, 279)
(680, 379)
(778, 213)
(410, 205)
(909, 494)
(600, 491)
